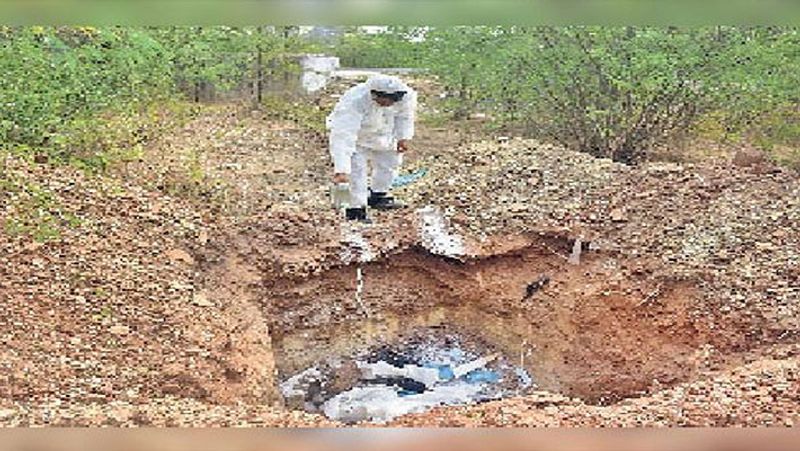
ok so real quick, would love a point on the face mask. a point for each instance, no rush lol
(393, 96)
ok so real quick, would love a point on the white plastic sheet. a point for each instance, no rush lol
(382, 403)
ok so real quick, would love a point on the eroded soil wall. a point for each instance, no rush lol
(586, 332)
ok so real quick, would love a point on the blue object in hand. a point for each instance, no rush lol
(407, 179)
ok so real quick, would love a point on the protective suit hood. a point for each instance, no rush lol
(386, 83)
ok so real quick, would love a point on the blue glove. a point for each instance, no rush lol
(407, 179)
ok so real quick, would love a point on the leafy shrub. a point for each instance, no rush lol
(57, 80)
(613, 92)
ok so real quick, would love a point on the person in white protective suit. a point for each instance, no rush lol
(371, 126)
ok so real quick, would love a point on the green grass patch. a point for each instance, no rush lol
(33, 210)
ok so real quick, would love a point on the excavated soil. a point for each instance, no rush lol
(586, 333)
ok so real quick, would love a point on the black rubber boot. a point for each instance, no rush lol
(383, 201)
(357, 214)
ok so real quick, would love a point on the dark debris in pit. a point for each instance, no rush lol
(426, 367)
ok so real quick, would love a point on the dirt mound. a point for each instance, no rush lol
(761, 393)
(732, 230)
(109, 310)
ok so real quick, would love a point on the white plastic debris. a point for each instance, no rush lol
(463, 370)
(524, 377)
(435, 235)
(296, 385)
(356, 247)
(360, 291)
(575, 257)
(451, 375)
(382, 403)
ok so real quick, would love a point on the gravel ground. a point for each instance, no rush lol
(108, 323)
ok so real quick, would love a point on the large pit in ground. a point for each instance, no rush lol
(602, 330)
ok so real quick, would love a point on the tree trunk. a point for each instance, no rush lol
(259, 75)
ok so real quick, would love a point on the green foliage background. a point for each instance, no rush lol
(86, 95)
(611, 91)
(90, 95)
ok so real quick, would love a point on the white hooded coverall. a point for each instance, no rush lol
(362, 131)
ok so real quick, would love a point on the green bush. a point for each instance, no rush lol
(57, 80)
(613, 92)
(81, 94)
(393, 48)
